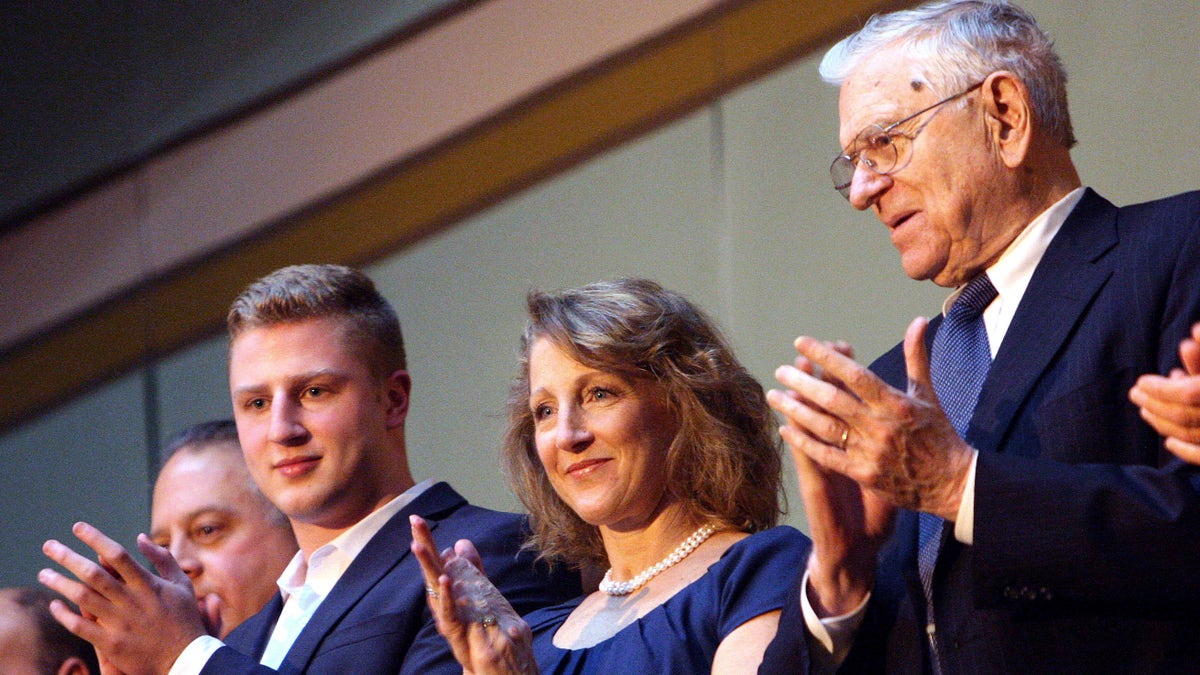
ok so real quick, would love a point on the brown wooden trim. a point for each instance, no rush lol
(625, 96)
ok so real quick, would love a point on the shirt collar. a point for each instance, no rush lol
(1011, 273)
(327, 564)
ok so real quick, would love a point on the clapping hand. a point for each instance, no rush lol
(862, 449)
(138, 622)
(898, 444)
(485, 633)
(1171, 403)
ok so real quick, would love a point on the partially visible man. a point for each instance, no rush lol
(230, 541)
(320, 390)
(985, 499)
(1171, 403)
(33, 643)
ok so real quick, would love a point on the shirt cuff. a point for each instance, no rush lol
(964, 524)
(195, 655)
(834, 635)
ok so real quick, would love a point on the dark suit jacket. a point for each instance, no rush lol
(1087, 535)
(375, 619)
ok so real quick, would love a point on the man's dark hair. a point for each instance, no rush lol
(56, 644)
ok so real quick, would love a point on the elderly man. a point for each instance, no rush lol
(320, 389)
(986, 498)
(230, 541)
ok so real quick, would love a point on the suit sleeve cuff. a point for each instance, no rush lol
(964, 524)
(195, 655)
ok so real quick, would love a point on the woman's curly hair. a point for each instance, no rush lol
(723, 465)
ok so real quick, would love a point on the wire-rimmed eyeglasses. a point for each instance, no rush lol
(881, 149)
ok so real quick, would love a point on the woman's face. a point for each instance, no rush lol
(602, 438)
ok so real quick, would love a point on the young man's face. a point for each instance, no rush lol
(316, 425)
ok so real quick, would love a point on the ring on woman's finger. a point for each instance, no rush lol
(432, 592)
(845, 437)
(487, 620)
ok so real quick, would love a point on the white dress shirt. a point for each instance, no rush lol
(832, 637)
(304, 584)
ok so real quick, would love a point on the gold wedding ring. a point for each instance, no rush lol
(845, 437)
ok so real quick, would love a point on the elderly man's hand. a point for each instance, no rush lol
(897, 444)
(139, 622)
(848, 523)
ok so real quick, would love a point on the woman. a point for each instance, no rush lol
(639, 444)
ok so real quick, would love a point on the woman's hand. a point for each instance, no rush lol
(484, 631)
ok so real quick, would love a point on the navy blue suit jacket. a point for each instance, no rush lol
(1087, 533)
(375, 619)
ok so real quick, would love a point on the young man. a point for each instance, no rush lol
(320, 392)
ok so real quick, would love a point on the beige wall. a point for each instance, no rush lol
(733, 206)
(730, 204)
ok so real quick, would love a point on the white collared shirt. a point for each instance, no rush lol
(1010, 274)
(304, 584)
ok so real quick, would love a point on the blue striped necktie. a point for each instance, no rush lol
(959, 363)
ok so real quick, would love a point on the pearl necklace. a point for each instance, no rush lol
(690, 544)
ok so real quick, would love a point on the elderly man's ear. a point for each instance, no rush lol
(1005, 102)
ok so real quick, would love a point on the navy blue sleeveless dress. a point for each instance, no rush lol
(681, 635)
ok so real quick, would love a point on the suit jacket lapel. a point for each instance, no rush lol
(382, 553)
(1070, 274)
